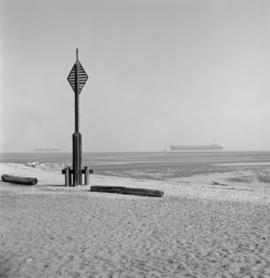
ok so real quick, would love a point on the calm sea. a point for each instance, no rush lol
(156, 165)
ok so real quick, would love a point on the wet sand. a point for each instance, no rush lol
(196, 230)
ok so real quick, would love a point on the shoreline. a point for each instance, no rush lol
(214, 186)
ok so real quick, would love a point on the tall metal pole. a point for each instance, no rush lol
(76, 137)
(77, 93)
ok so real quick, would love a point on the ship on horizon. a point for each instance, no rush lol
(210, 147)
(51, 149)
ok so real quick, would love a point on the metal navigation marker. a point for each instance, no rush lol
(82, 77)
(77, 79)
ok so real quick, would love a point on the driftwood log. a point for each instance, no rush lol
(217, 183)
(127, 190)
(19, 180)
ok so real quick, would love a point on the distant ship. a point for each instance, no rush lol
(210, 147)
(53, 149)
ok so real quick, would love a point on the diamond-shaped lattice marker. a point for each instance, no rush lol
(82, 76)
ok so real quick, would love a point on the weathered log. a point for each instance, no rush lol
(19, 180)
(217, 183)
(127, 190)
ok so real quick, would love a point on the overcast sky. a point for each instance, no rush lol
(160, 73)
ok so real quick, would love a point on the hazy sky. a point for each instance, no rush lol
(160, 73)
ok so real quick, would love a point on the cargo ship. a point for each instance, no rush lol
(210, 147)
(52, 149)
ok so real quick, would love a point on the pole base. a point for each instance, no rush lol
(77, 158)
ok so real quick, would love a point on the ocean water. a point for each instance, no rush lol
(154, 165)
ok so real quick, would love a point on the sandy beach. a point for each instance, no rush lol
(197, 229)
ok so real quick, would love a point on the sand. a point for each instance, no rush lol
(196, 230)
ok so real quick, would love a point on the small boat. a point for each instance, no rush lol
(52, 149)
(210, 147)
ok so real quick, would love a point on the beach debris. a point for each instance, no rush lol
(127, 190)
(19, 180)
(217, 183)
(29, 260)
(32, 164)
